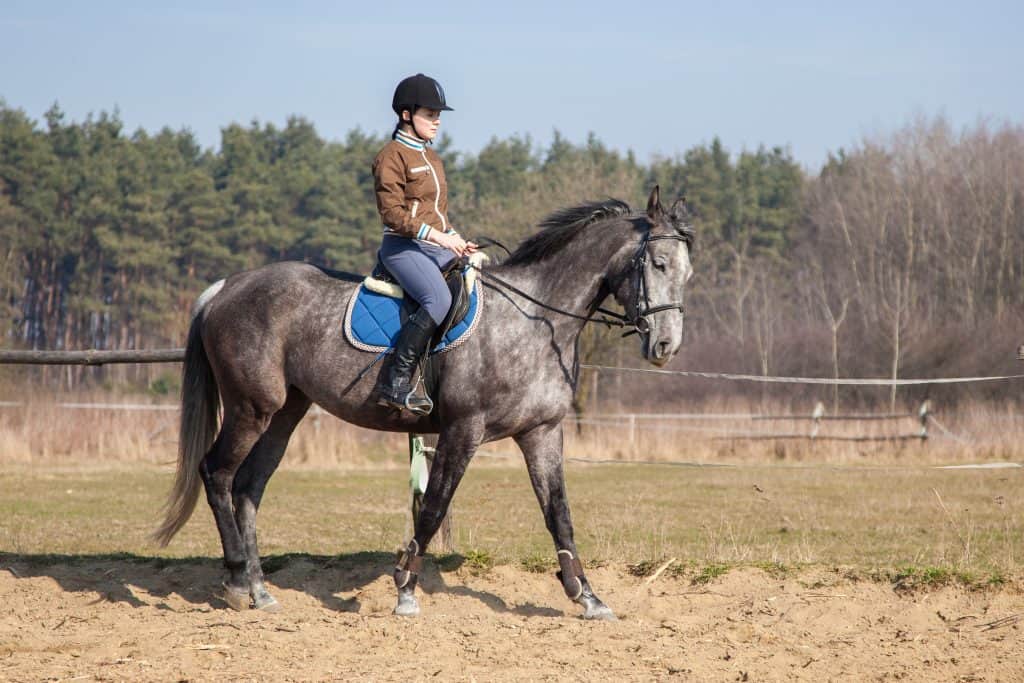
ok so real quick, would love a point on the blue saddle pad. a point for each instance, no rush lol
(373, 321)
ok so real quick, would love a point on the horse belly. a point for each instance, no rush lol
(511, 400)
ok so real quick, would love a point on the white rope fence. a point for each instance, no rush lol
(858, 382)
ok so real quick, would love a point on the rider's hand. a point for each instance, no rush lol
(452, 242)
(471, 247)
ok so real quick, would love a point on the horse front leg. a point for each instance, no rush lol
(542, 449)
(455, 448)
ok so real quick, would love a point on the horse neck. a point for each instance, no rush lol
(572, 279)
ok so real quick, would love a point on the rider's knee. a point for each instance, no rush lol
(437, 306)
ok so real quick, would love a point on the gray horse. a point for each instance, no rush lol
(265, 344)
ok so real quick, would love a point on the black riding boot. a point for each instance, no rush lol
(394, 386)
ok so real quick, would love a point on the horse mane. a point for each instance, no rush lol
(560, 227)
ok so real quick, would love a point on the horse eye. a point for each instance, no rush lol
(659, 263)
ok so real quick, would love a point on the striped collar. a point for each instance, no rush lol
(410, 141)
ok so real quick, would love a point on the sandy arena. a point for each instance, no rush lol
(114, 620)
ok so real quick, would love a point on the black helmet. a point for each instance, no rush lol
(419, 91)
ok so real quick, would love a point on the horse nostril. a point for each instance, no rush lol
(661, 349)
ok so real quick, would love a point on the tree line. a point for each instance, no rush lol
(902, 255)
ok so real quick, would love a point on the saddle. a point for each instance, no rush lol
(458, 275)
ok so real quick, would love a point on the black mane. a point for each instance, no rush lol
(559, 228)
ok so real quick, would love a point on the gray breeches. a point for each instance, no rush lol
(417, 267)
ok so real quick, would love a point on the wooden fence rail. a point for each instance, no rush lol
(631, 423)
(91, 357)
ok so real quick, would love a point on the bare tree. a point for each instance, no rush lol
(835, 321)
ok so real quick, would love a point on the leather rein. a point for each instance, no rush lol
(637, 324)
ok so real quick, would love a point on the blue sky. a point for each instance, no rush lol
(656, 77)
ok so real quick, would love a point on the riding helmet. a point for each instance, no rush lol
(419, 91)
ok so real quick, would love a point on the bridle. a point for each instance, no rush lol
(637, 323)
(639, 263)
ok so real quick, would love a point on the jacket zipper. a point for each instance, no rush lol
(437, 196)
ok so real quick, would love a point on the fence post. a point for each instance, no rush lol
(819, 410)
(923, 415)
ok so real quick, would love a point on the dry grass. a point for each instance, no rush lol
(969, 432)
(44, 431)
(41, 431)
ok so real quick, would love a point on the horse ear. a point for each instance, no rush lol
(678, 209)
(654, 208)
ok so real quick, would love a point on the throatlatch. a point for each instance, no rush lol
(408, 566)
(570, 574)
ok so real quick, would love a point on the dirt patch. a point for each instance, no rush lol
(125, 619)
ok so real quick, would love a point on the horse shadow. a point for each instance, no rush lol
(327, 578)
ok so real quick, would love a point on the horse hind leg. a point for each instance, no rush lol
(243, 425)
(250, 483)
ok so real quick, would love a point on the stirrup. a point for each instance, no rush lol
(425, 407)
(419, 409)
(427, 402)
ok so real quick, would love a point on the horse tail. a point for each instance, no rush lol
(200, 408)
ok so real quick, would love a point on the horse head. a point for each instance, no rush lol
(652, 281)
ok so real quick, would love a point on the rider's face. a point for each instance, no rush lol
(427, 122)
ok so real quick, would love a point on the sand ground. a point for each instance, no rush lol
(126, 619)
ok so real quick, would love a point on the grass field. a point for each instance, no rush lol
(963, 524)
(93, 480)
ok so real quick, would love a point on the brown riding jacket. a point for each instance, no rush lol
(412, 194)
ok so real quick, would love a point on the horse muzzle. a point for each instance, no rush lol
(659, 352)
(659, 349)
(662, 342)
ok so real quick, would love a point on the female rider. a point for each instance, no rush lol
(412, 198)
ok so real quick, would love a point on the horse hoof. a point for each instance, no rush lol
(407, 607)
(236, 599)
(595, 610)
(267, 603)
(599, 613)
